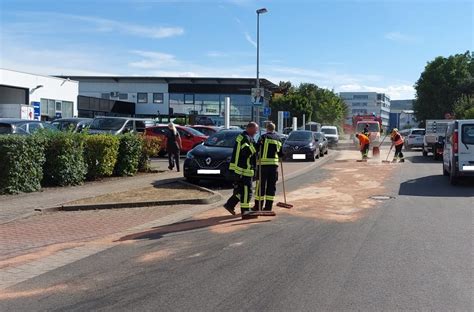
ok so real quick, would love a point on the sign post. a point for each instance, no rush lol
(227, 113)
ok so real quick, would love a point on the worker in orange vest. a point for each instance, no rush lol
(397, 141)
(364, 143)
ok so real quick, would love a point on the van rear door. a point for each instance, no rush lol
(466, 146)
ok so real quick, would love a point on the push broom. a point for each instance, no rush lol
(284, 204)
(386, 161)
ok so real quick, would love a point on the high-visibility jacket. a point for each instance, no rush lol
(363, 140)
(243, 156)
(269, 145)
(397, 139)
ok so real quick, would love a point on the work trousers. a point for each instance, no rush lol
(266, 187)
(173, 158)
(398, 152)
(365, 151)
(243, 193)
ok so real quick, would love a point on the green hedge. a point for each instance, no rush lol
(65, 165)
(151, 148)
(21, 163)
(129, 154)
(100, 153)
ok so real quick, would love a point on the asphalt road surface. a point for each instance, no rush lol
(412, 252)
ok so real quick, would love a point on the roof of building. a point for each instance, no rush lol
(267, 84)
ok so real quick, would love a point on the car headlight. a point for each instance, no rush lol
(189, 155)
(310, 144)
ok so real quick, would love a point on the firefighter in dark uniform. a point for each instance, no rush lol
(270, 151)
(243, 164)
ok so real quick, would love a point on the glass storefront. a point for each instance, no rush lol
(212, 105)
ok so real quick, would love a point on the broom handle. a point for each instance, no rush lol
(283, 180)
(389, 153)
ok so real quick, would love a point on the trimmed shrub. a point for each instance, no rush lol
(100, 154)
(65, 163)
(151, 148)
(129, 154)
(21, 163)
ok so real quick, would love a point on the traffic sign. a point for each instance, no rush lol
(286, 114)
(267, 111)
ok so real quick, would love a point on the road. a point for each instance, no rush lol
(337, 250)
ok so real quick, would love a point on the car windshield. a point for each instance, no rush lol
(328, 131)
(418, 132)
(300, 136)
(194, 132)
(468, 134)
(107, 124)
(318, 135)
(222, 139)
(373, 127)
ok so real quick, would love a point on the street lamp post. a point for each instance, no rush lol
(259, 11)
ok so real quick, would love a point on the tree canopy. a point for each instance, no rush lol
(318, 104)
(445, 86)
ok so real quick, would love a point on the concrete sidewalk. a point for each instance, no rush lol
(13, 207)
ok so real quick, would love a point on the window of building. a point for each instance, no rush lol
(158, 98)
(123, 96)
(189, 99)
(142, 97)
(105, 95)
(67, 109)
(360, 97)
(58, 106)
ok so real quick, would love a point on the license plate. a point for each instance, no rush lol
(208, 171)
(299, 156)
(468, 168)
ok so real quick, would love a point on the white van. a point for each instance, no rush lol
(458, 154)
(331, 134)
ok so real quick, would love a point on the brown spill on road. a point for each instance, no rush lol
(345, 195)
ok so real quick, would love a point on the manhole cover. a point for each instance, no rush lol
(381, 197)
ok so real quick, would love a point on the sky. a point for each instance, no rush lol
(357, 45)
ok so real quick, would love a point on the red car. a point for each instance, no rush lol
(189, 137)
(207, 130)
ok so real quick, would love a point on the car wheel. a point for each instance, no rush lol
(425, 153)
(327, 151)
(445, 172)
(453, 179)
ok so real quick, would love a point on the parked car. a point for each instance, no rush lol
(206, 130)
(413, 138)
(117, 125)
(23, 126)
(323, 143)
(72, 124)
(282, 137)
(458, 154)
(332, 134)
(211, 160)
(189, 137)
(301, 145)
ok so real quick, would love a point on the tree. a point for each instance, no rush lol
(330, 109)
(464, 107)
(442, 84)
(293, 102)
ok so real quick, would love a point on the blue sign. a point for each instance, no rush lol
(37, 110)
(58, 114)
(286, 114)
(267, 111)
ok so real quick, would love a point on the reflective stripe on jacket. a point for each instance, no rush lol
(270, 147)
(243, 156)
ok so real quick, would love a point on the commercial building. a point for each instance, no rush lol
(402, 115)
(37, 96)
(367, 103)
(166, 96)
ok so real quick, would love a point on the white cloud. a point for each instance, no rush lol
(53, 21)
(216, 54)
(250, 40)
(153, 60)
(399, 37)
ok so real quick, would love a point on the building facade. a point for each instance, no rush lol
(52, 96)
(160, 96)
(367, 103)
(402, 115)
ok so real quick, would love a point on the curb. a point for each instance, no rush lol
(214, 198)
